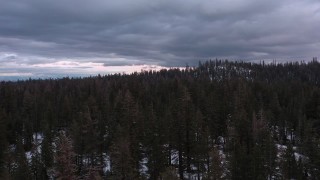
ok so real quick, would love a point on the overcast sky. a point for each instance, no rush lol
(43, 38)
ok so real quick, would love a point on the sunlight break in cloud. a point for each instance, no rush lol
(13, 70)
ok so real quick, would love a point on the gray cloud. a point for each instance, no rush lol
(163, 32)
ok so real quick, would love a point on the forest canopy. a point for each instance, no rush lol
(220, 120)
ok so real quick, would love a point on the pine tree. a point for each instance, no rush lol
(170, 173)
(215, 169)
(93, 174)
(47, 151)
(310, 147)
(3, 146)
(65, 167)
(22, 170)
(85, 133)
(201, 154)
(153, 143)
(122, 162)
(240, 163)
(289, 164)
(37, 167)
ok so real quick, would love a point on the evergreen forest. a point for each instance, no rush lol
(219, 120)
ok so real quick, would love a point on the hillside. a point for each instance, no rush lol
(220, 120)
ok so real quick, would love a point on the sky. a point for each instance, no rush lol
(56, 38)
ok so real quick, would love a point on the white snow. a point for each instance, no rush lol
(107, 163)
(143, 166)
(37, 139)
(29, 156)
(174, 157)
(298, 156)
(220, 140)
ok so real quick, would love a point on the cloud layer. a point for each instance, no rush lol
(161, 32)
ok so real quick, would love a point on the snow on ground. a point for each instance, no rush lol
(12, 147)
(224, 162)
(280, 152)
(143, 166)
(299, 156)
(191, 176)
(220, 140)
(37, 139)
(107, 163)
(282, 148)
(29, 156)
(174, 157)
(143, 169)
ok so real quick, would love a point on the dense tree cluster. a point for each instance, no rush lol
(220, 120)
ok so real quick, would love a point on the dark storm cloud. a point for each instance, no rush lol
(164, 32)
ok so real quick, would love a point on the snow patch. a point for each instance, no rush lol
(174, 157)
(37, 139)
(107, 163)
(143, 166)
